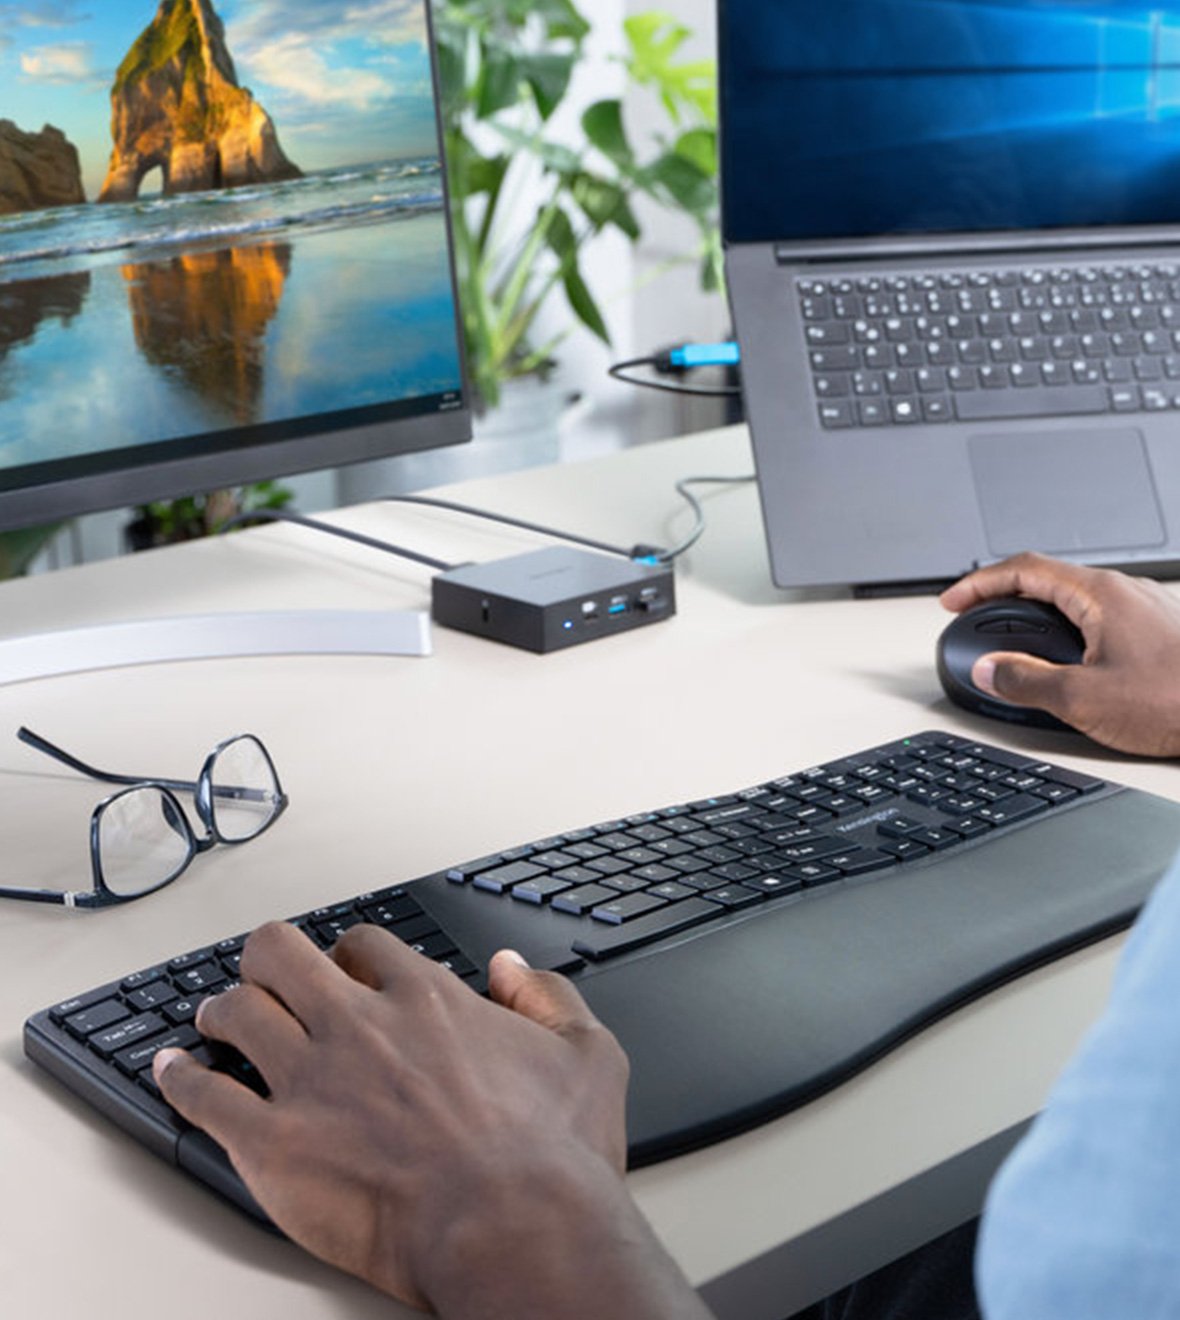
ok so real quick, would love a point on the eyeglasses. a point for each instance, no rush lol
(140, 837)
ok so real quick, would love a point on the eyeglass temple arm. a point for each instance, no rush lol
(50, 749)
(38, 895)
(184, 785)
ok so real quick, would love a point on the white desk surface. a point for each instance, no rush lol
(398, 766)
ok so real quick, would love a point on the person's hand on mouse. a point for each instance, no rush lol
(463, 1154)
(1126, 692)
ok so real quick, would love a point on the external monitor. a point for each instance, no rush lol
(224, 247)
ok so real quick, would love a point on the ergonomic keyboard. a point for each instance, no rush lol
(981, 345)
(750, 950)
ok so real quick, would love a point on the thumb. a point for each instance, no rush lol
(1024, 680)
(545, 997)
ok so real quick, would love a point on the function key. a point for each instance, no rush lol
(145, 977)
(193, 959)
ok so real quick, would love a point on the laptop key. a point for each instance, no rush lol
(835, 414)
(992, 405)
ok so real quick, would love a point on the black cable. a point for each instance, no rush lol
(667, 556)
(636, 551)
(641, 553)
(617, 369)
(276, 515)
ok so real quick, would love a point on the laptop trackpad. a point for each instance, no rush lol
(1065, 491)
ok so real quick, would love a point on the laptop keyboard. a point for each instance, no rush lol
(1030, 341)
(620, 896)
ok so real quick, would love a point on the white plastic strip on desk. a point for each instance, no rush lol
(205, 636)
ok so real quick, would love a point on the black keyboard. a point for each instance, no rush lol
(985, 345)
(751, 950)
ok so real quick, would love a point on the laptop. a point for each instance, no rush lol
(952, 239)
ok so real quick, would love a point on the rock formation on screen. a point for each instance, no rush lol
(26, 304)
(176, 104)
(37, 170)
(202, 318)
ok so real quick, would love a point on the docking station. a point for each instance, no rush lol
(549, 599)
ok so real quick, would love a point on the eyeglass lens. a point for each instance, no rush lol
(245, 793)
(143, 841)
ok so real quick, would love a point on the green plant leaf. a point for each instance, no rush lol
(560, 17)
(692, 190)
(655, 38)
(699, 147)
(499, 83)
(548, 76)
(604, 203)
(603, 125)
(566, 244)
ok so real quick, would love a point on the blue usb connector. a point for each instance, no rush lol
(688, 356)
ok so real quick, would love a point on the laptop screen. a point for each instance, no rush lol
(846, 118)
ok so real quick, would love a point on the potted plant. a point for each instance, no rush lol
(166, 522)
(505, 68)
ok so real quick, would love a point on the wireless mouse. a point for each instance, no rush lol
(1013, 623)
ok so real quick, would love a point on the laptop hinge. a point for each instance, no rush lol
(974, 245)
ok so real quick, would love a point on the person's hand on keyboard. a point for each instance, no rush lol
(463, 1154)
(1126, 692)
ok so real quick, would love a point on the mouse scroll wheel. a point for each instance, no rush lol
(1011, 626)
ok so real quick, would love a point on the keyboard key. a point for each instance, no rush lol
(87, 1021)
(1011, 809)
(1070, 778)
(137, 1057)
(861, 861)
(733, 898)
(606, 941)
(151, 996)
(59, 1012)
(109, 1042)
(540, 889)
(501, 878)
(786, 881)
(627, 907)
(995, 405)
(577, 902)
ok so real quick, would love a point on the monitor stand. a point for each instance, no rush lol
(205, 636)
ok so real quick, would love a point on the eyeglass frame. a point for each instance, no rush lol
(102, 895)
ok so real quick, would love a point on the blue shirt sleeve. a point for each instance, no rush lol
(1083, 1220)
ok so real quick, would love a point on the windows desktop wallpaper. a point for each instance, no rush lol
(221, 222)
(860, 117)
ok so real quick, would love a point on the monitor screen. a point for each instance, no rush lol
(846, 118)
(224, 247)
